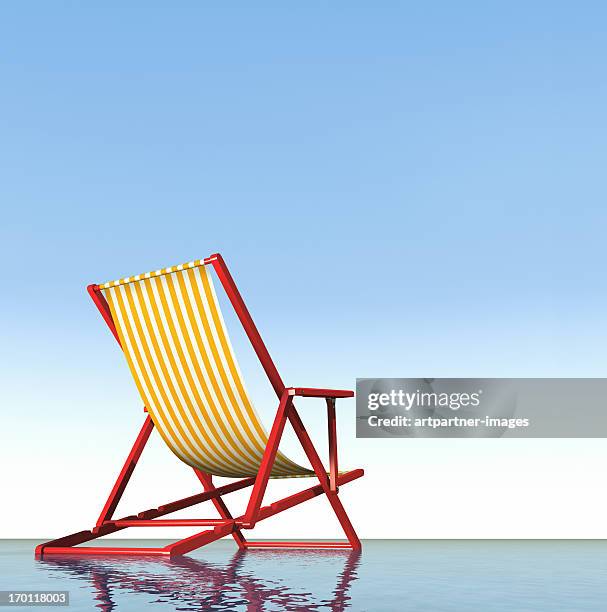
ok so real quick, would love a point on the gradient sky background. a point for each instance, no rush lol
(400, 189)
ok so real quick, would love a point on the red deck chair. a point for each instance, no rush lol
(171, 330)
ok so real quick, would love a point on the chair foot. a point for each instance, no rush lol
(300, 545)
(98, 551)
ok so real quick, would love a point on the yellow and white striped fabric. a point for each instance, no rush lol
(177, 348)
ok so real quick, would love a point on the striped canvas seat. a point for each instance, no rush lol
(177, 348)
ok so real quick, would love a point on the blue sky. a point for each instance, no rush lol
(402, 189)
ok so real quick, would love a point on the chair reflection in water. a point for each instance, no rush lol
(194, 584)
(171, 330)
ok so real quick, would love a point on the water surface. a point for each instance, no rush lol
(501, 576)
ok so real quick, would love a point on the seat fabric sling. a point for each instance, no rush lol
(177, 348)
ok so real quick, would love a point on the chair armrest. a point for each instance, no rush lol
(311, 392)
(330, 395)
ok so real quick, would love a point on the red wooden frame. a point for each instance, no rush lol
(255, 512)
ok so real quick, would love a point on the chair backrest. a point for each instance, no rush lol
(178, 350)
